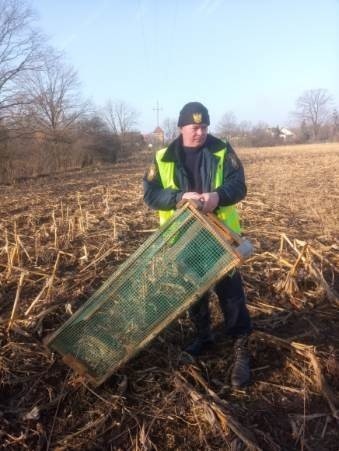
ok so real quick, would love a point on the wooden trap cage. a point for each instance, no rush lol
(156, 284)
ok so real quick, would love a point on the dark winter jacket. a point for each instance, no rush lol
(232, 190)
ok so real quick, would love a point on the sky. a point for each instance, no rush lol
(251, 57)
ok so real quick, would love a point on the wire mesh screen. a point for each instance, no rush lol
(158, 282)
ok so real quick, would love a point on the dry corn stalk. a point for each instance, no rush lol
(16, 300)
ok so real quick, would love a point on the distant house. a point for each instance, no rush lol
(286, 134)
(282, 133)
(158, 135)
(156, 138)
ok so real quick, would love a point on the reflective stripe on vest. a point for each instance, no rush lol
(228, 215)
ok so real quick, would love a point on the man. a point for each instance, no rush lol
(201, 167)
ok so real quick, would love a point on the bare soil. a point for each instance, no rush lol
(62, 236)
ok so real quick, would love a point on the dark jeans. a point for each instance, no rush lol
(232, 302)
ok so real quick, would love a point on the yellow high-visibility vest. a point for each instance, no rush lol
(228, 215)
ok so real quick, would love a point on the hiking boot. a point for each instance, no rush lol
(199, 345)
(241, 372)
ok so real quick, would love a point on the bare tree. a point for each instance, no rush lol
(244, 128)
(170, 129)
(52, 107)
(54, 102)
(121, 119)
(335, 124)
(96, 140)
(228, 127)
(313, 109)
(20, 50)
(262, 135)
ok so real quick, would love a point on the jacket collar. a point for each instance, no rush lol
(173, 151)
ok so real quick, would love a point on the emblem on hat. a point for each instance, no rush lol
(197, 118)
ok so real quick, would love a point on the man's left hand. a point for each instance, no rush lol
(210, 201)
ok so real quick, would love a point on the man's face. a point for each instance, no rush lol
(194, 135)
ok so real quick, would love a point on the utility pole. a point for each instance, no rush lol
(157, 109)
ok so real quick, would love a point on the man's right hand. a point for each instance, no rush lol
(191, 195)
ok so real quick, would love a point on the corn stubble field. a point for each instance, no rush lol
(62, 236)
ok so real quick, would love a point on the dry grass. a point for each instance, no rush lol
(60, 237)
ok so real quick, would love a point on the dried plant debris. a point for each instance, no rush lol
(60, 238)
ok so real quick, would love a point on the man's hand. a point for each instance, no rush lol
(210, 201)
(191, 195)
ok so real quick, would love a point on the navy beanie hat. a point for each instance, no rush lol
(193, 113)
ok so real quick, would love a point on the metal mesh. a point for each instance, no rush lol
(158, 282)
